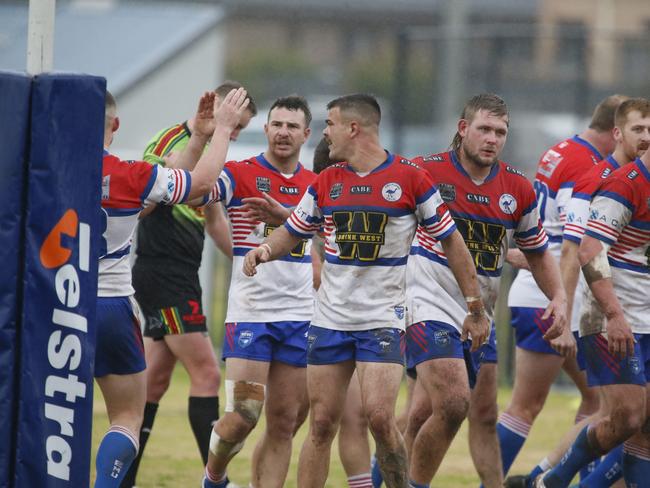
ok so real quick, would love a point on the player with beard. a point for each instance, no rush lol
(492, 204)
(538, 362)
(265, 346)
(366, 206)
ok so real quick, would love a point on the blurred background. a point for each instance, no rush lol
(552, 61)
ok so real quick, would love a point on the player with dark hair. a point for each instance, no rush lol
(166, 281)
(538, 362)
(127, 187)
(369, 207)
(492, 204)
(265, 345)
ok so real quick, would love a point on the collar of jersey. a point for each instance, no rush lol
(642, 168)
(582, 142)
(264, 162)
(106, 153)
(613, 162)
(384, 165)
(459, 167)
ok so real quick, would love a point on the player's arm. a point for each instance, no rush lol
(598, 275)
(460, 262)
(276, 245)
(546, 272)
(216, 226)
(317, 258)
(517, 259)
(226, 117)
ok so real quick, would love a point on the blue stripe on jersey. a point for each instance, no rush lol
(629, 266)
(554, 239)
(613, 162)
(312, 192)
(188, 185)
(121, 212)
(264, 162)
(376, 262)
(600, 237)
(385, 164)
(454, 159)
(232, 182)
(423, 198)
(447, 233)
(222, 189)
(642, 168)
(572, 238)
(431, 256)
(615, 196)
(581, 196)
(529, 233)
(296, 233)
(242, 251)
(567, 184)
(530, 208)
(392, 212)
(149, 186)
(582, 142)
(539, 249)
(640, 224)
(507, 223)
(117, 254)
(430, 220)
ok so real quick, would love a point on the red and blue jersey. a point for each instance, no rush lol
(557, 172)
(489, 215)
(620, 217)
(127, 187)
(577, 210)
(368, 222)
(281, 290)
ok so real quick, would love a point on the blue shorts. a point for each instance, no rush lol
(328, 346)
(605, 369)
(119, 341)
(487, 353)
(267, 341)
(580, 355)
(530, 329)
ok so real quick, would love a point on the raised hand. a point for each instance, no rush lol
(265, 209)
(228, 113)
(204, 119)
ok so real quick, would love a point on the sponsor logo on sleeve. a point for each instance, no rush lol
(433, 157)
(510, 169)
(409, 163)
(507, 204)
(336, 190)
(391, 192)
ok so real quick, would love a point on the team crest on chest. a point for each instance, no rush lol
(263, 184)
(336, 190)
(508, 204)
(447, 192)
(391, 192)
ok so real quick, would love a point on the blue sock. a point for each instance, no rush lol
(543, 465)
(375, 473)
(114, 456)
(413, 484)
(578, 455)
(512, 433)
(609, 470)
(207, 483)
(636, 465)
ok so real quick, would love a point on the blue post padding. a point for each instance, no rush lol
(15, 91)
(62, 239)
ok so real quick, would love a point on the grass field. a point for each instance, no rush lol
(172, 459)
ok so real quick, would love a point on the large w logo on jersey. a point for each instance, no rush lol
(296, 252)
(483, 240)
(359, 234)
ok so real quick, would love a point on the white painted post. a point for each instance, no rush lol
(40, 36)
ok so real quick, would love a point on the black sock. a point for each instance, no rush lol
(150, 410)
(203, 413)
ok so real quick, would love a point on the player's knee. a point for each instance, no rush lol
(157, 384)
(418, 415)
(381, 422)
(281, 423)
(354, 421)
(454, 410)
(246, 399)
(207, 377)
(323, 428)
(628, 418)
(484, 414)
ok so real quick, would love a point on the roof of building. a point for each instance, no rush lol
(121, 41)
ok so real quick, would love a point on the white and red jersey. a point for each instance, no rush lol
(577, 210)
(489, 215)
(620, 217)
(128, 186)
(368, 222)
(282, 289)
(557, 172)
